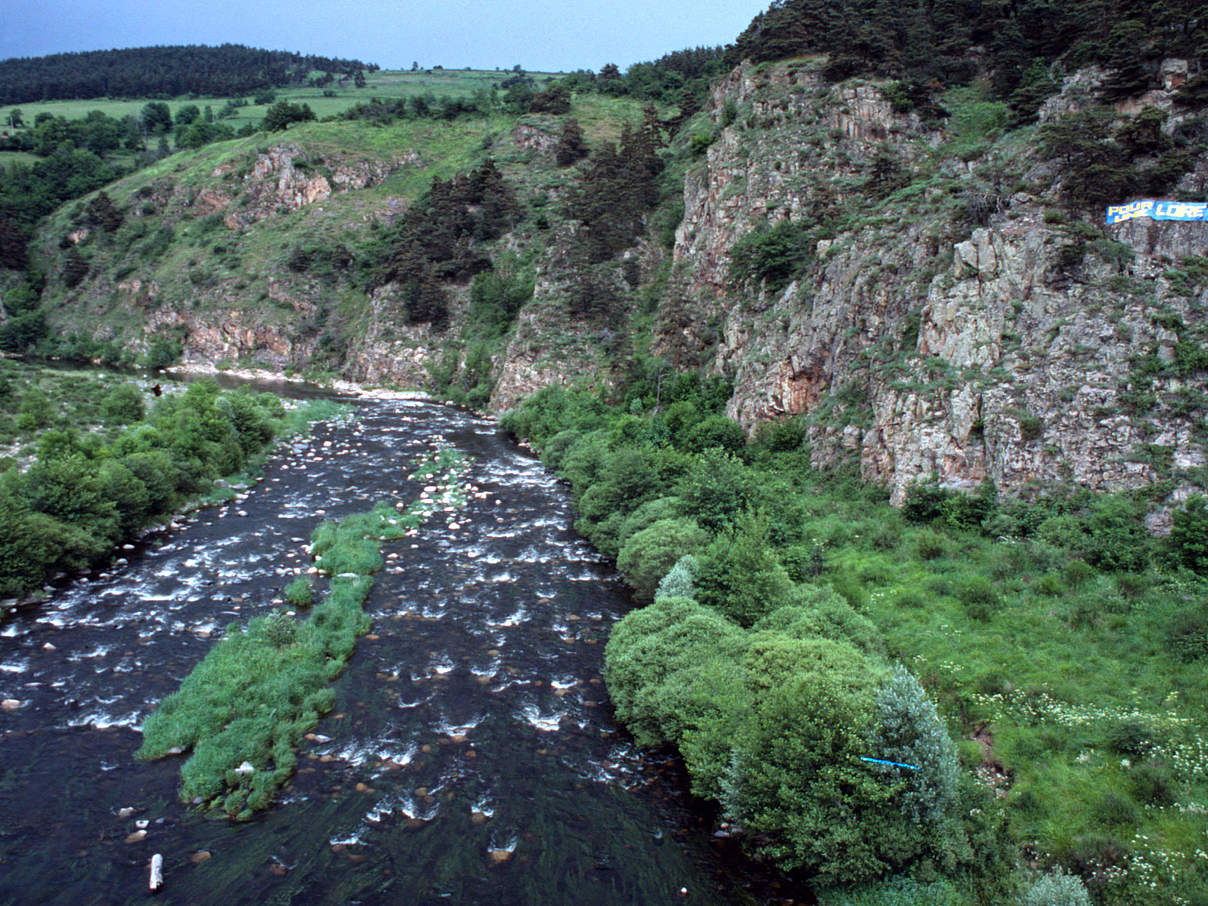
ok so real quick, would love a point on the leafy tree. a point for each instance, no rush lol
(555, 99)
(201, 134)
(647, 556)
(155, 118)
(162, 352)
(907, 729)
(819, 611)
(280, 115)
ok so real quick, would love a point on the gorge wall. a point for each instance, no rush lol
(946, 315)
(952, 322)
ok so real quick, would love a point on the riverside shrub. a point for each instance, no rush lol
(89, 493)
(648, 555)
(740, 575)
(947, 598)
(680, 581)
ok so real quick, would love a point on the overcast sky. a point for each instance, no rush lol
(549, 35)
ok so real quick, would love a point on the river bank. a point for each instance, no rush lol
(480, 674)
(259, 376)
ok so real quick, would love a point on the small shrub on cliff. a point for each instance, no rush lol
(772, 255)
(1189, 534)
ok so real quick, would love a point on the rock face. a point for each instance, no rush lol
(921, 340)
(948, 318)
(282, 179)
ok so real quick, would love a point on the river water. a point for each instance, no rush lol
(471, 756)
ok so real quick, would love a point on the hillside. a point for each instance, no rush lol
(944, 307)
(752, 319)
(266, 250)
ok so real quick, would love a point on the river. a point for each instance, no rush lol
(471, 756)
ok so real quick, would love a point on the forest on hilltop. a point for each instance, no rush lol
(934, 43)
(162, 72)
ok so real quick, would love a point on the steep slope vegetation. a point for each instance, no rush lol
(929, 285)
(933, 295)
(285, 251)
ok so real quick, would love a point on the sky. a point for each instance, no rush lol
(540, 35)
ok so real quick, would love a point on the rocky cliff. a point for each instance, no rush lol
(953, 320)
(915, 285)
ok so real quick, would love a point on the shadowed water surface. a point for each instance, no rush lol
(471, 756)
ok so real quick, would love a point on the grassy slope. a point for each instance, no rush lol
(253, 258)
(382, 84)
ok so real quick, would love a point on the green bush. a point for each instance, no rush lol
(819, 612)
(796, 784)
(1187, 632)
(680, 581)
(907, 729)
(647, 514)
(930, 544)
(924, 502)
(772, 255)
(651, 658)
(34, 411)
(978, 591)
(649, 554)
(897, 892)
(716, 431)
(740, 575)
(123, 405)
(1117, 539)
(1189, 534)
(717, 489)
(1056, 889)
(300, 593)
